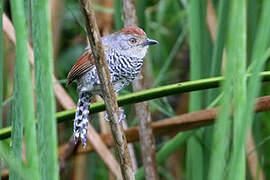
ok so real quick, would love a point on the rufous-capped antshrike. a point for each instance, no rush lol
(124, 51)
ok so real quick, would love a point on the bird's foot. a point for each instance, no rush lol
(139, 77)
(122, 115)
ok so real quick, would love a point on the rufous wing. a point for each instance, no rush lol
(84, 63)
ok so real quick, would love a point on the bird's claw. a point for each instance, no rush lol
(122, 115)
(139, 77)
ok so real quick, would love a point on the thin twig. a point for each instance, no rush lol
(142, 109)
(65, 152)
(107, 89)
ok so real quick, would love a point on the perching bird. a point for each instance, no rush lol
(124, 51)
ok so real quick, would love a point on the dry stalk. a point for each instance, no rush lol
(107, 89)
(252, 158)
(142, 109)
(179, 123)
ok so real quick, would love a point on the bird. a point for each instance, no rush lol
(124, 52)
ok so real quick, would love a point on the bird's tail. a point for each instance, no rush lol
(81, 118)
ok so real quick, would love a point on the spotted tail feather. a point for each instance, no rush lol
(81, 118)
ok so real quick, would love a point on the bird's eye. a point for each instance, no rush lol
(132, 40)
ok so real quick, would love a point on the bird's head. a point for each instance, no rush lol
(131, 41)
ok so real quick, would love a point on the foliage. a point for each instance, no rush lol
(231, 65)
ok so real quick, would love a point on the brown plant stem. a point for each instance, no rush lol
(107, 89)
(182, 122)
(252, 159)
(67, 150)
(142, 109)
(56, 9)
(211, 20)
(106, 19)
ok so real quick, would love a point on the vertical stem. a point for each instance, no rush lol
(194, 149)
(195, 52)
(107, 89)
(142, 109)
(17, 127)
(236, 43)
(47, 134)
(219, 40)
(259, 57)
(118, 14)
(235, 70)
(25, 86)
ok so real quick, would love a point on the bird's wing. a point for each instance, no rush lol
(84, 63)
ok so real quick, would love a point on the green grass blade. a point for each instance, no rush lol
(252, 22)
(236, 46)
(221, 134)
(118, 14)
(195, 14)
(17, 128)
(259, 58)
(195, 51)
(219, 45)
(21, 170)
(222, 126)
(47, 134)
(25, 86)
(194, 160)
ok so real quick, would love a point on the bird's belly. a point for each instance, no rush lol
(90, 83)
(120, 77)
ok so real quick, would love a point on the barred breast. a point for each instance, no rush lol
(123, 70)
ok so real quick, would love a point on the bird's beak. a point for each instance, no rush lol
(149, 42)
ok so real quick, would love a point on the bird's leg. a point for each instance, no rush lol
(139, 77)
(122, 115)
